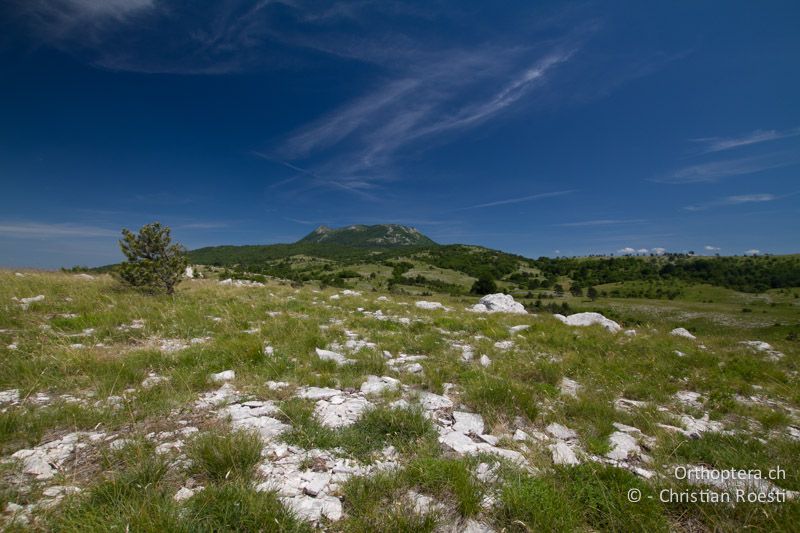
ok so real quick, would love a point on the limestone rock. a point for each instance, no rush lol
(589, 319)
(498, 303)
(682, 332)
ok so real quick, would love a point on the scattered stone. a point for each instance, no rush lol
(152, 380)
(517, 329)
(623, 446)
(9, 396)
(520, 436)
(561, 432)
(172, 345)
(498, 303)
(377, 385)
(45, 460)
(422, 504)
(25, 302)
(682, 332)
(53, 495)
(473, 526)
(431, 306)
(317, 393)
(241, 283)
(625, 404)
(696, 427)
(313, 509)
(406, 363)
(761, 346)
(434, 402)
(504, 345)
(221, 377)
(692, 399)
(467, 423)
(118, 444)
(569, 387)
(563, 454)
(467, 351)
(224, 395)
(255, 416)
(588, 319)
(136, 324)
(485, 361)
(185, 493)
(339, 359)
(341, 411)
(464, 445)
(276, 385)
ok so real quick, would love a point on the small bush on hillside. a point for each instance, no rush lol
(484, 285)
(153, 262)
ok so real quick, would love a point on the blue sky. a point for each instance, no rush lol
(537, 128)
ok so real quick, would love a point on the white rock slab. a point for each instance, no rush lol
(589, 319)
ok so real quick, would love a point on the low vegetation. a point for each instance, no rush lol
(130, 373)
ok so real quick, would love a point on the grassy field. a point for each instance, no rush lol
(111, 391)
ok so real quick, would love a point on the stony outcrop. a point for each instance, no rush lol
(589, 319)
(498, 303)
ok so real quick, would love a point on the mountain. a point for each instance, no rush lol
(361, 236)
(349, 244)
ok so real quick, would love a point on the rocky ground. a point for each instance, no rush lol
(270, 407)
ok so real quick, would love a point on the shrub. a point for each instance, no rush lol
(484, 285)
(153, 262)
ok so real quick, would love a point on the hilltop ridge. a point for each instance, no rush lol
(360, 236)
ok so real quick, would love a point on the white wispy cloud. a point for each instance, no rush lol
(518, 199)
(718, 144)
(600, 222)
(734, 200)
(628, 250)
(424, 102)
(752, 251)
(68, 11)
(718, 170)
(709, 248)
(42, 230)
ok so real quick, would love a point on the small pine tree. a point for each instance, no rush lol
(559, 290)
(484, 285)
(576, 290)
(591, 292)
(153, 262)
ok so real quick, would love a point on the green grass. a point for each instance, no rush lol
(222, 455)
(447, 480)
(237, 507)
(375, 504)
(405, 429)
(133, 488)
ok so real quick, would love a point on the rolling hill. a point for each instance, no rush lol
(390, 256)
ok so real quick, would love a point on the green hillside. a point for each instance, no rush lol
(401, 258)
